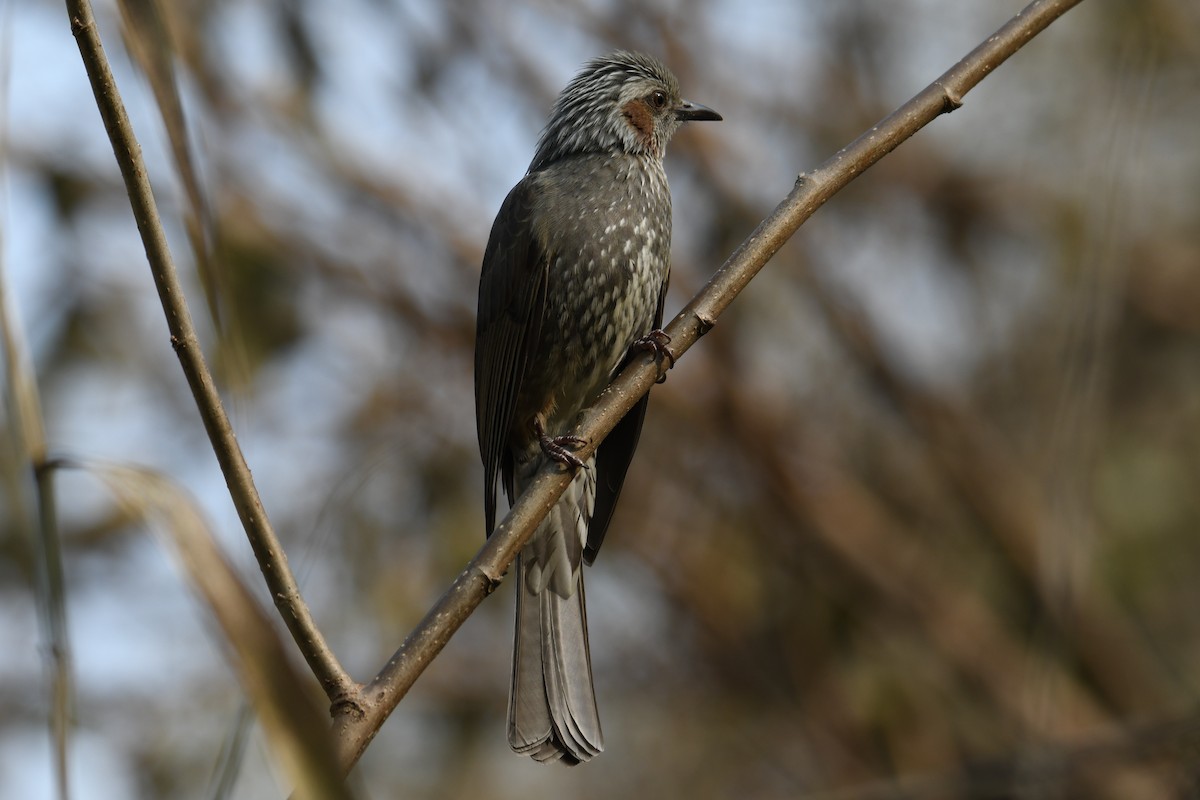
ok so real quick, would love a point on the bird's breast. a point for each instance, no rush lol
(610, 254)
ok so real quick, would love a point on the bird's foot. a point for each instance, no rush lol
(557, 449)
(655, 342)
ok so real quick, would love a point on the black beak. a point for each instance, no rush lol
(694, 112)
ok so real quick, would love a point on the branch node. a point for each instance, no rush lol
(706, 323)
(951, 99)
(491, 582)
(348, 705)
(801, 179)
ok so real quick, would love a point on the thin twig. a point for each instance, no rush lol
(271, 558)
(356, 727)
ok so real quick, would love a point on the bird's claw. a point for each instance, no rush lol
(655, 342)
(556, 447)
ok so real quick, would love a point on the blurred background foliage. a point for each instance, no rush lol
(918, 518)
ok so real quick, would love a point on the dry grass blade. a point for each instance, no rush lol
(295, 725)
(148, 37)
(25, 456)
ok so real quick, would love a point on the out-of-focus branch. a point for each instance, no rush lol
(1047, 766)
(26, 434)
(149, 41)
(271, 557)
(980, 466)
(357, 726)
(277, 688)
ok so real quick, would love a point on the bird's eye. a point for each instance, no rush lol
(658, 100)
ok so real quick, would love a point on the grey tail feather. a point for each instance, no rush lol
(552, 712)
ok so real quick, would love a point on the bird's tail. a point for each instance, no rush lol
(552, 712)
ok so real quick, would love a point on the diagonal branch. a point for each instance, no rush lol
(267, 550)
(355, 727)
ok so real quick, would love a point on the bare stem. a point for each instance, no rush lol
(271, 557)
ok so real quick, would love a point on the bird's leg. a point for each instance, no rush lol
(656, 342)
(555, 447)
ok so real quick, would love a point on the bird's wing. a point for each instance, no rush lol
(613, 457)
(512, 289)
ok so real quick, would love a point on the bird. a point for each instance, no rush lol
(572, 284)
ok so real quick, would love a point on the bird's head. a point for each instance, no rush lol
(622, 102)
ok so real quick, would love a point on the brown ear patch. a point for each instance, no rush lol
(640, 118)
